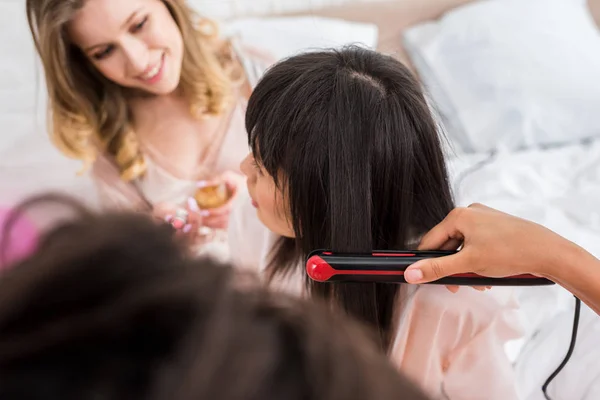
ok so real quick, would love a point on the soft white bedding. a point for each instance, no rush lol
(510, 75)
(286, 36)
(559, 188)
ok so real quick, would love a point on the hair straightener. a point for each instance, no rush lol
(388, 266)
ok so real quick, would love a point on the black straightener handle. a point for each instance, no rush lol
(388, 267)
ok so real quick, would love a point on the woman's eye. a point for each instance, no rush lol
(256, 166)
(140, 25)
(104, 53)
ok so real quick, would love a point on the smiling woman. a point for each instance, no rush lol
(145, 52)
(149, 94)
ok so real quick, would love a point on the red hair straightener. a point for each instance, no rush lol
(388, 266)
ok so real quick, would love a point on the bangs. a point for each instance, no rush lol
(267, 125)
(263, 140)
(285, 112)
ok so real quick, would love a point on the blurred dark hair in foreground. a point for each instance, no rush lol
(110, 306)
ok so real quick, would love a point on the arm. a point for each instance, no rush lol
(496, 244)
(577, 271)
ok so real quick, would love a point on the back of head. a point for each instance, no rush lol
(96, 310)
(111, 307)
(360, 155)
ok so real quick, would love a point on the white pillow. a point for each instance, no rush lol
(512, 73)
(286, 36)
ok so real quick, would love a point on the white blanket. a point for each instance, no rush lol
(559, 188)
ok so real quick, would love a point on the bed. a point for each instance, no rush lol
(552, 179)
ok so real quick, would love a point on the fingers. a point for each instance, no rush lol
(451, 244)
(445, 234)
(196, 218)
(194, 221)
(452, 288)
(432, 269)
(184, 226)
(216, 218)
(163, 212)
(479, 206)
(217, 221)
(483, 207)
(455, 288)
(224, 210)
(233, 182)
(207, 182)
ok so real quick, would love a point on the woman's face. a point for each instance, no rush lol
(134, 43)
(270, 203)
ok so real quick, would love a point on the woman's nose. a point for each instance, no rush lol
(137, 54)
(245, 166)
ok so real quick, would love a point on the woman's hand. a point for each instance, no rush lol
(185, 221)
(218, 218)
(494, 244)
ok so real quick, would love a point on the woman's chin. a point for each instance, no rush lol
(276, 228)
(161, 90)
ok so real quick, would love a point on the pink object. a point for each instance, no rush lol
(22, 238)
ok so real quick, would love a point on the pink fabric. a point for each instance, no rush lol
(159, 184)
(450, 344)
(453, 344)
(21, 241)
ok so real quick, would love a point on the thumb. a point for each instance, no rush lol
(433, 269)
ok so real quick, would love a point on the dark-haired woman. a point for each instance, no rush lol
(346, 156)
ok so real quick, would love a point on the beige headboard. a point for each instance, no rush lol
(594, 6)
(392, 17)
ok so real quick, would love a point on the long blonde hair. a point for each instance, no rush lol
(89, 113)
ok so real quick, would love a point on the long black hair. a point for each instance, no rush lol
(352, 135)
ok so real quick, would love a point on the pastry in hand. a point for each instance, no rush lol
(212, 196)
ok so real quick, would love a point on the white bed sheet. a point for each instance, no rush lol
(559, 188)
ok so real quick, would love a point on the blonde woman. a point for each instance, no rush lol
(146, 93)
